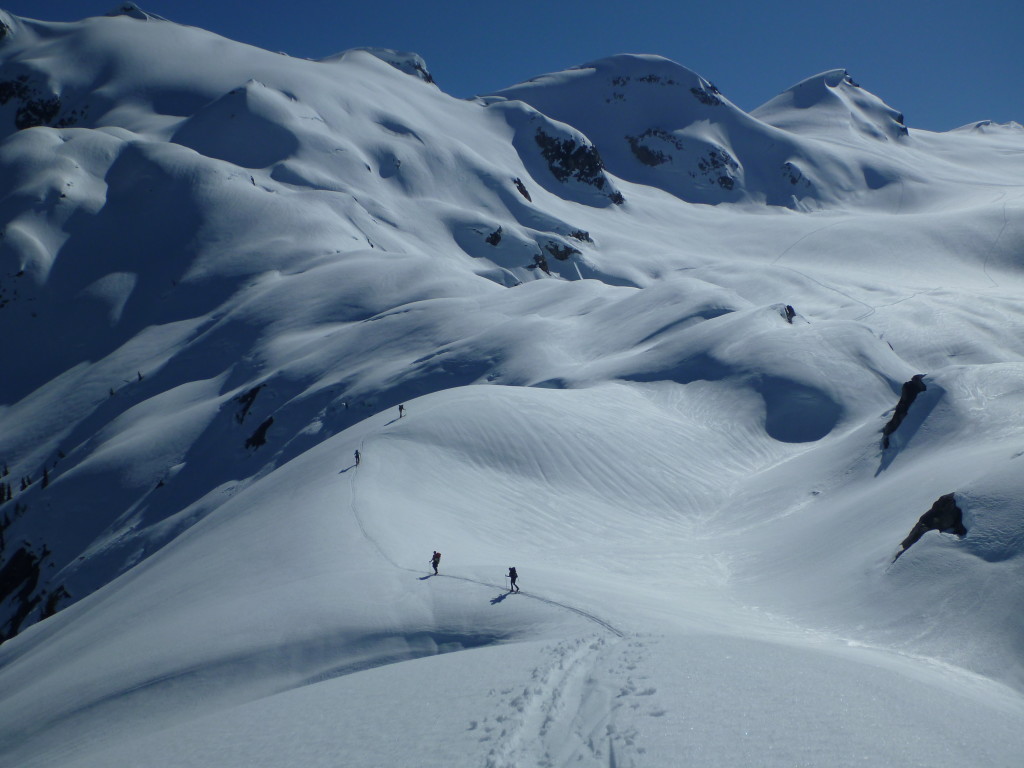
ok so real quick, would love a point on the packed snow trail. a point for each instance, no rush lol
(376, 545)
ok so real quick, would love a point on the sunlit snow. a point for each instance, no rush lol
(646, 344)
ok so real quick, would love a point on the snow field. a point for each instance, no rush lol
(691, 487)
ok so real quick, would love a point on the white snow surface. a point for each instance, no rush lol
(223, 269)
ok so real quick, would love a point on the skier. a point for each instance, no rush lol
(435, 560)
(512, 575)
(401, 411)
(357, 458)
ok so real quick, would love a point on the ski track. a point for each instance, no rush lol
(362, 527)
(568, 713)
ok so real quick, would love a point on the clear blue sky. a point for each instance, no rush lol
(944, 63)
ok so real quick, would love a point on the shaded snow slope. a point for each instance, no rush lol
(646, 345)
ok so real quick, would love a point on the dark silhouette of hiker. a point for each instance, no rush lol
(512, 575)
(357, 458)
(401, 411)
(435, 560)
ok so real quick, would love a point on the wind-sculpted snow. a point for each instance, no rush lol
(832, 99)
(646, 346)
(404, 61)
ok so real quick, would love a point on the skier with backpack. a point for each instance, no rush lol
(512, 575)
(435, 560)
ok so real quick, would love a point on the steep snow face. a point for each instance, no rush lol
(224, 278)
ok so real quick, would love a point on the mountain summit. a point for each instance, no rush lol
(822, 104)
(657, 123)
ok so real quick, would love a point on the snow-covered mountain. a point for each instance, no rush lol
(738, 394)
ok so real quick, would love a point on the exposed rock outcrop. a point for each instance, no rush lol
(560, 251)
(259, 437)
(19, 577)
(34, 106)
(944, 516)
(911, 389)
(570, 159)
(247, 399)
(522, 189)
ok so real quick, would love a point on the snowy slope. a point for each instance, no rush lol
(219, 279)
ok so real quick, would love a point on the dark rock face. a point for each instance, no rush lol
(247, 399)
(578, 160)
(721, 163)
(911, 389)
(53, 601)
(944, 516)
(707, 94)
(19, 578)
(559, 251)
(791, 172)
(649, 155)
(541, 263)
(495, 237)
(35, 107)
(904, 131)
(567, 159)
(259, 437)
(522, 189)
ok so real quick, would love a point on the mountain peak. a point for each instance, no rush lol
(132, 10)
(627, 76)
(813, 106)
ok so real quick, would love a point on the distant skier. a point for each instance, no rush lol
(357, 458)
(512, 576)
(435, 561)
(401, 411)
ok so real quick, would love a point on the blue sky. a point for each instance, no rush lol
(944, 63)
